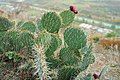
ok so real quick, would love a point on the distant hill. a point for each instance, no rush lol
(104, 10)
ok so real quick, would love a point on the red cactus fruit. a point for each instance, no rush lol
(73, 9)
(96, 76)
(76, 12)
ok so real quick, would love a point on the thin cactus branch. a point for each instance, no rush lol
(40, 62)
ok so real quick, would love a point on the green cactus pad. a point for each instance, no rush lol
(51, 22)
(70, 57)
(11, 41)
(67, 17)
(50, 43)
(15, 41)
(39, 24)
(54, 63)
(30, 26)
(87, 60)
(66, 73)
(52, 47)
(75, 38)
(5, 24)
(27, 39)
(44, 39)
(2, 34)
(59, 41)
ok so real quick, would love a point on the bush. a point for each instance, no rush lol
(110, 35)
(96, 39)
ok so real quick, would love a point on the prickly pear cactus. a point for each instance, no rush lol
(30, 26)
(76, 56)
(87, 59)
(75, 38)
(2, 34)
(70, 60)
(5, 24)
(50, 43)
(15, 41)
(67, 17)
(74, 63)
(11, 41)
(66, 73)
(40, 27)
(51, 21)
(70, 57)
(27, 40)
(55, 43)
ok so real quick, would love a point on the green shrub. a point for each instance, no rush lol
(110, 35)
(96, 39)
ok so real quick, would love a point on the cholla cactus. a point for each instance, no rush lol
(40, 62)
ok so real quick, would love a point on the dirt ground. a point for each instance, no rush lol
(105, 57)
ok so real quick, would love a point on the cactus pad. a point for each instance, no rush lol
(51, 22)
(67, 17)
(50, 43)
(30, 26)
(70, 57)
(44, 39)
(2, 34)
(40, 27)
(52, 47)
(27, 39)
(5, 24)
(66, 73)
(11, 41)
(75, 38)
(87, 60)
